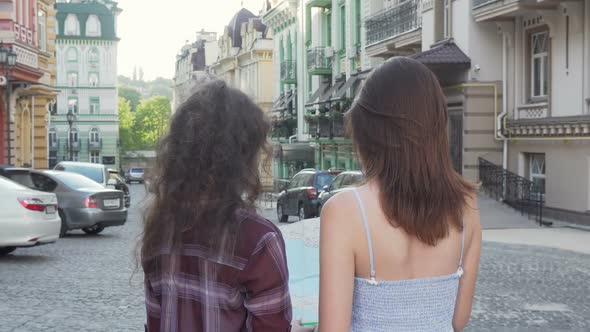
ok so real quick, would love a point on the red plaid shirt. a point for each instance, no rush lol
(246, 291)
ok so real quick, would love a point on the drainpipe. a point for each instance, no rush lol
(585, 64)
(33, 131)
(504, 99)
(291, 138)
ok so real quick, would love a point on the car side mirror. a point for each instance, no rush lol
(326, 188)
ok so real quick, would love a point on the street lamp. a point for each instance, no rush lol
(7, 62)
(70, 117)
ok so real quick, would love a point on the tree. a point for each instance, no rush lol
(151, 121)
(126, 124)
(131, 95)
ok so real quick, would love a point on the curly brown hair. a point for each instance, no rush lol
(207, 167)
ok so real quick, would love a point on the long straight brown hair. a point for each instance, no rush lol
(398, 126)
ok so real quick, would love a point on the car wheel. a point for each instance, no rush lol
(96, 229)
(302, 215)
(283, 218)
(6, 250)
(64, 225)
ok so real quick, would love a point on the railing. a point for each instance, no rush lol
(54, 145)
(289, 71)
(514, 190)
(318, 61)
(394, 21)
(95, 145)
(533, 111)
(477, 3)
(324, 126)
(75, 146)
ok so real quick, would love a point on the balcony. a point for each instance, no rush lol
(95, 145)
(319, 61)
(498, 10)
(395, 30)
(325, 126)
(74, 147)
(289, 72)
(533, 111)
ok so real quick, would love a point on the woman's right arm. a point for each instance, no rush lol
(471, 256)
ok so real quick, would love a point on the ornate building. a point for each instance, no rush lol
(28, 29)
(87, 78)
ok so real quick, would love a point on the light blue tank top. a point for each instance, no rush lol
(414, 305)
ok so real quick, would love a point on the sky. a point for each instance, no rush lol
(153, 32)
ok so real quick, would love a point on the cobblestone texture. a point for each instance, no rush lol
(84, 283)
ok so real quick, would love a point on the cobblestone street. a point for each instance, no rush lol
(85, 283)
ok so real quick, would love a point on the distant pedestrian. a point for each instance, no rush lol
(210, 262)
(401, 252)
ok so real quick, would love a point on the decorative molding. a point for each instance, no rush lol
(26, 57)
(570, 126)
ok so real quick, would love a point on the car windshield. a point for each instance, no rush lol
(76, 181)
(324, 179)
(93, 173)
(22, 178)
(6, 184)
(137, 170)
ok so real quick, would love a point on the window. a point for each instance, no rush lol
(539, 70)
(93, 79)
(358, 22)
(94, 105)
(27, 13)
(447, 18)
(52, 137)
(95, 157)
(21, 18)
(537, 172)
(74, 135)
(42, 27)
(329, 29)
(337, 182)
(72, 26)
(73, 104)
(93, 55)
(72, 79)
(93, 26)
(94, 136)
(72, 55)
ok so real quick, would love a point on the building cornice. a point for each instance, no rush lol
(558, 127)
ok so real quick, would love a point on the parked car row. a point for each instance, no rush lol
(39, 206)
(310, 189)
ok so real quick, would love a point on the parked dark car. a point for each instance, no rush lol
(300, 196)
(343, 181)
(17, 174)
(121, 185)
(83, 203)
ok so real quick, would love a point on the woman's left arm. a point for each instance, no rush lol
(336, 268)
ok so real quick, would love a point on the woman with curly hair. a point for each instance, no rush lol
(210, 262)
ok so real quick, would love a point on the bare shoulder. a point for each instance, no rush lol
(472, 218)
(338, 210)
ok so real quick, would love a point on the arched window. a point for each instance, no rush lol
(52, 138)
(93, 26)
(94, 136)
(93, 55)
(72, 25)
(74, 136)
(93, 79)
(72, 55)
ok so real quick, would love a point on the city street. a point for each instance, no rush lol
(87, 283)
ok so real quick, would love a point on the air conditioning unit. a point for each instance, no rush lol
(329, 52)
(352, 52)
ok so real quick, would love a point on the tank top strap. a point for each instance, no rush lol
(367, 233)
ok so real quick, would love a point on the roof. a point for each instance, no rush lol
(443, 53)
(235, 24)
(79, 163)
(83, 8)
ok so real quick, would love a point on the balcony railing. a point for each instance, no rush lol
(533, 111)
(75, 146)
(289, 72)
(477, 3)
(318, 61)
(520, 193)
(322, 126)
(95, 145)
(394, 21)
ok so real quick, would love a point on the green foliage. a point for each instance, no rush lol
(131, 95)
(151, 120)
(126, 120)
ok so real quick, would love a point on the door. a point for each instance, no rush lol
(290, 195)
(456, 139)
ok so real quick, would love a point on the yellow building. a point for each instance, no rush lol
(33, 100)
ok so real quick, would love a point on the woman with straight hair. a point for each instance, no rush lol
(400, 252)
(210, 262)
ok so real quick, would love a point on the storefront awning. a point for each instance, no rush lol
(282, 103)
(319, 92)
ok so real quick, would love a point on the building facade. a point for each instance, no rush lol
(245, 62)
(28, 87)
(87, 79)
(192, 65)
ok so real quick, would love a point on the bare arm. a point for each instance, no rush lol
(470, 266)
(336, 267)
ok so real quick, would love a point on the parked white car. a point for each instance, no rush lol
(27, 217)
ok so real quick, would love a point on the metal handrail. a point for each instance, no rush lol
(393, 21)
(516, 191)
